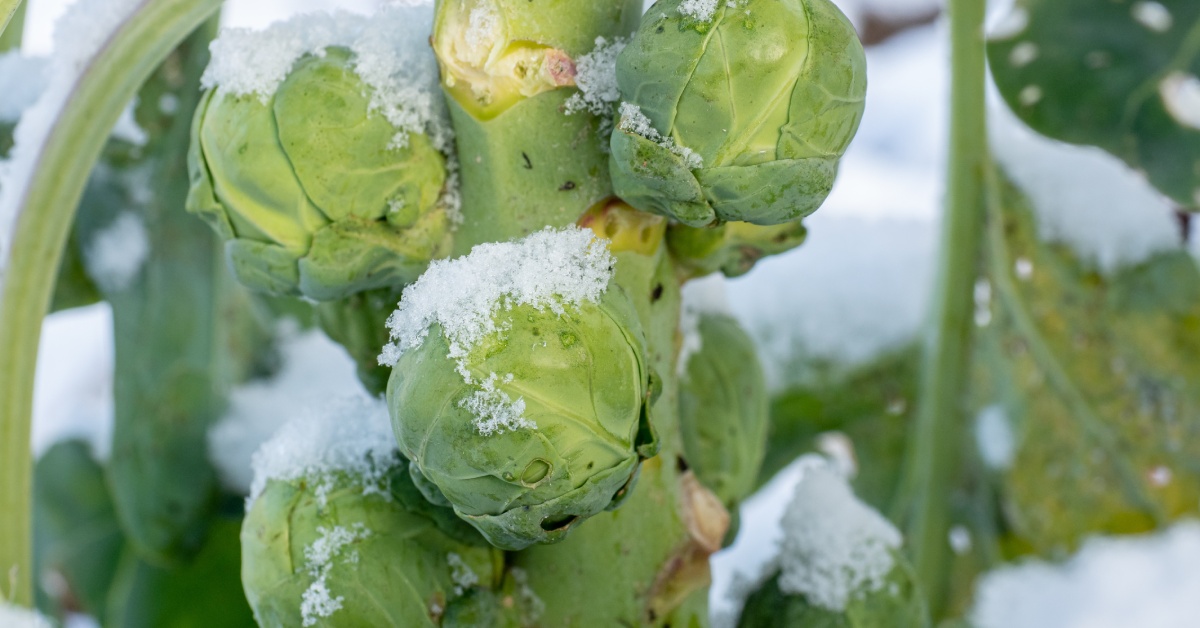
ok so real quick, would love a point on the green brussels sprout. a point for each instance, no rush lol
(897, 605)
(341, 551)
(309, 188)
(723, 409)
(742, 116)
(732, 248)
(559, 437)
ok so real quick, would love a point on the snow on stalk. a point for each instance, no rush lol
(57, 143)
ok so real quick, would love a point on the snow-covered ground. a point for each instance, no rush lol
(859, 286)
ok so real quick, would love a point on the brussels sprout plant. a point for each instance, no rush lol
(509, 224)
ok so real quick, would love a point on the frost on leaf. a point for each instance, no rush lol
(461, 573)
(835, 547)
(116, 253)
(596, 78)
(548, 270)
(700, 10)
(347, 437)
(317, 601)
(636, 122)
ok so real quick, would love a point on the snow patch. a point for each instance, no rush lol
(1180, 94)
(73, 386)
(596, 78)
(705, 295)
(313, 369)
(700, 10)
(994, 438)
(22, 81)
(115, 255)
(1153, 15)
(1115, 582)
(18, 617)
(1083, 197)
(548, 270)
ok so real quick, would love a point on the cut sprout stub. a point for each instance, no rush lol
(391, 55)
(596, 78)
(548, 270)
(835, 547)
(351, 436)
(636, 122)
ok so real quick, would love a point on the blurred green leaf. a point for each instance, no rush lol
(77, 540)
(1118, 75)
(1097, 376)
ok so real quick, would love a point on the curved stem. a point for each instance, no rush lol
(933, 457)
(45, 210)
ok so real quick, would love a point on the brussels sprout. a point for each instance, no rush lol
(898, 605)
(338, 552)
(742, 116)
(310, 189)
(732, 248)
(581, 382)
(723, 409)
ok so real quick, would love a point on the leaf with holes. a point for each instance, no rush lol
(1097, 378)
(1120, 75)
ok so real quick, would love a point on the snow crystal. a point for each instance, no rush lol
(78, 36)
(1085, 197)
(636, 122)
(17, 617)
(73, 385)
(701, 10)
(1181, 96)
(596, 78)
(700, 296)
(116, 253)
(994, 437)
(313, 369)
(461, 573)
(549, 269)
(317, 601)
(1116, 582)
(22, 81)
(351, 435)
(391, 55)
(1153, 15)
(835, 547)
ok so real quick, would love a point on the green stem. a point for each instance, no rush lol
(14, 25)
(44, 215)
(936, 441)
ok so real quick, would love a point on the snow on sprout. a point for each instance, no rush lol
(78, 35)
(702, 10)
(351, 436)
(115, 254)
(596, 78)
(835, 547)
(548, 270)
(636, 122)
(391, 56)
(1113, 582)
(317, 601)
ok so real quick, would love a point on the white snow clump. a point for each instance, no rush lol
(636, 122)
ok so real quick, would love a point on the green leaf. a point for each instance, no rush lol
(1097, 376)
(1114, 75)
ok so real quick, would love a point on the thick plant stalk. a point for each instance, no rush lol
(11, 31)
(43, 219)
(933, 457)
